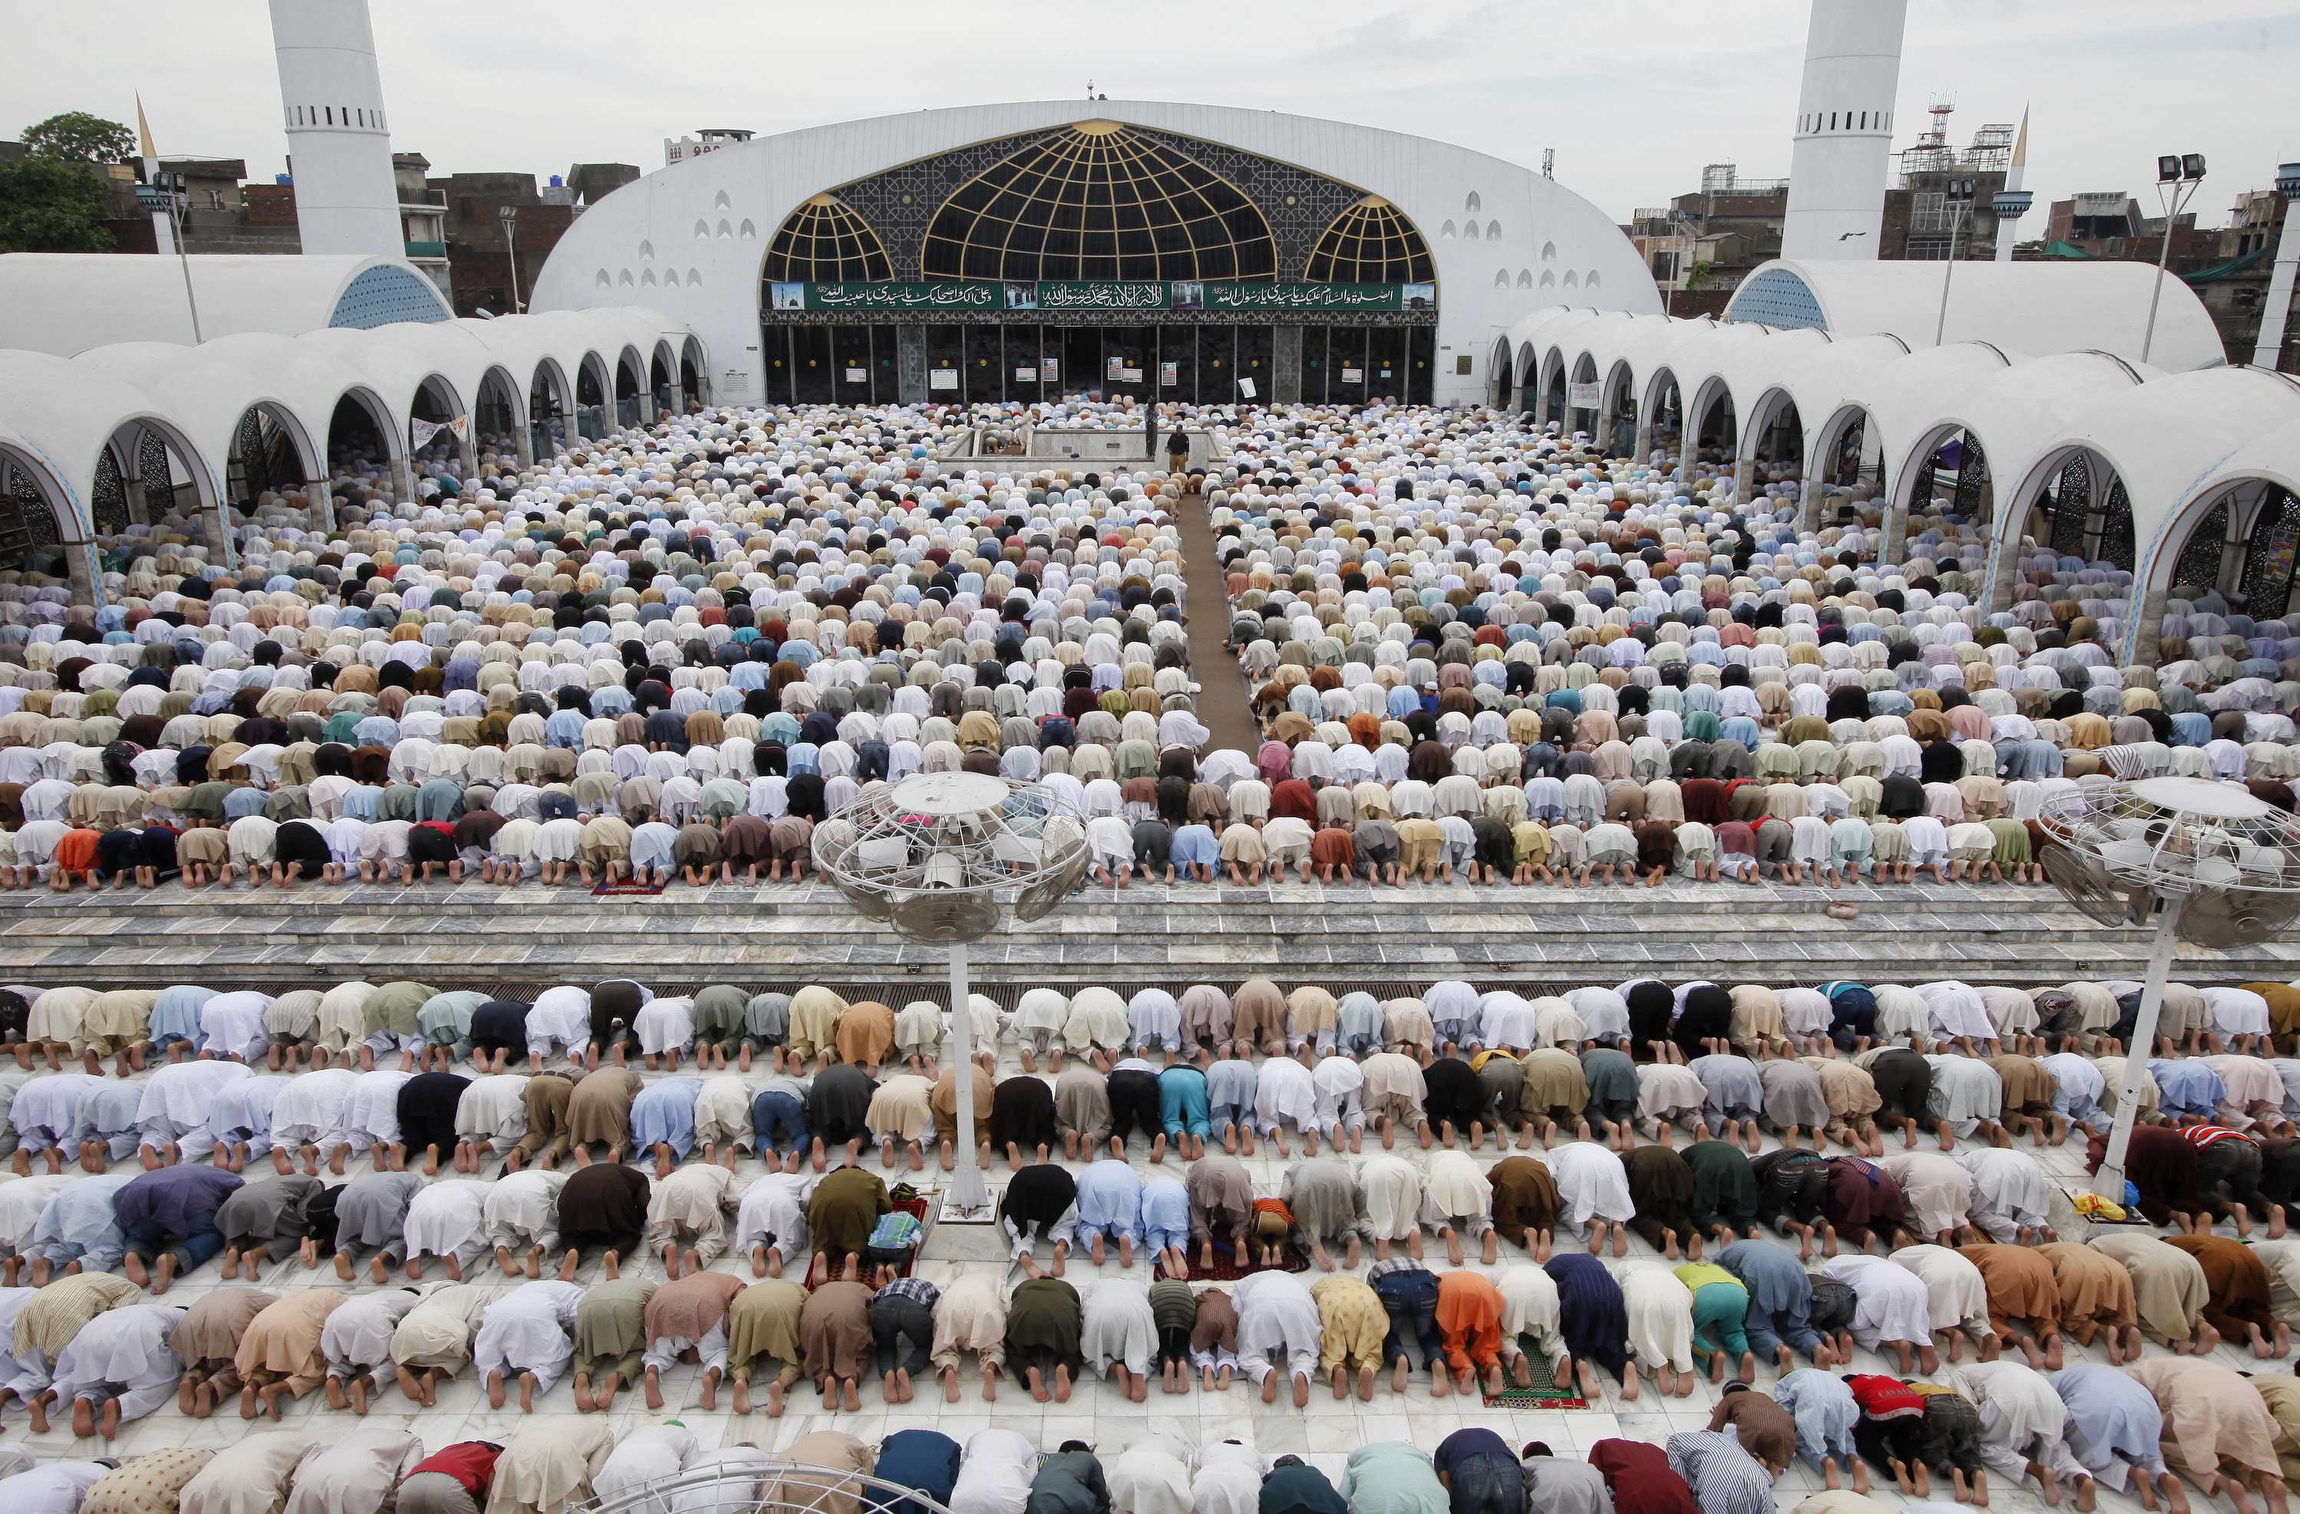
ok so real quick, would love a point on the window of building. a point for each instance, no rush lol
(825, 242)
(331, 115)
(1370, 243)
(1098, 201)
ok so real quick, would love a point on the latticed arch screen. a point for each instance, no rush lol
(825, 242)
(1370, 243)
(1094, 202)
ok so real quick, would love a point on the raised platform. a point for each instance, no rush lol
(1393, 943)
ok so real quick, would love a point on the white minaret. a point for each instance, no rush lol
(2015, 175)
(1844, 129)
(339, 138)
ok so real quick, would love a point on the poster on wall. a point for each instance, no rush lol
(1169, 374)
(1246, 387)
(1116, 367)
(1581, 396)
(1049, 369)
(942, 378)
(1025, 374)
(1130, 375)
(1353, 375)
(858, 375)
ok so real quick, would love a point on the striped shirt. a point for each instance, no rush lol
(1724, 1478)
(2201, 1136)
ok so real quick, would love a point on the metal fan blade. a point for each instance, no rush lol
(2087, 886)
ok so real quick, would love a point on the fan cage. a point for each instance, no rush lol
(935, 872)
(774, 1485)
(2178, 837)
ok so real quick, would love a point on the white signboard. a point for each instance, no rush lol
(1025, 373)
(942, 378)
(858, 375)
(1353, 375)
(1246, 387)
(1581, 396)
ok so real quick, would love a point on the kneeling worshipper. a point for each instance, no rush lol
(253, 1479)
(2115, 1428)
(448, 1221)
(371, 1221)
(528, 1334)
(355, 1343)
(434, 1339)
(146, 1483)
(1596, 1323)
(610, 1341)
(1640, 1478)
(452, 1480)
(280, 1355)
(2168, 1289)
(2023, 1423)
(1043, 1321)
(1277, 1317)
(1891, 1309)
(687, 1216)
(207, 1342)
(689, 1314)
(1724, 1477)
(548, 1464)
(2238, 1301)
(1117, 1329)
(2218, 1432)
(2096, 1296)
(1825, 1413)
(1958, 1295)
(2024, 1300)
(359, 1473)
(118, 1367)
(1593, 1193)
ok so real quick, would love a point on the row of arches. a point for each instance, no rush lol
(2185, 480)
(125, 436)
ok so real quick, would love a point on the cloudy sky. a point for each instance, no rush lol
(1635, 95)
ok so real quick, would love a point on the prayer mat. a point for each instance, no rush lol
(608, 890)
(1227, 1270)
(1543, 1394)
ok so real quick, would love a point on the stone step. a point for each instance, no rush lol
(1396, 943)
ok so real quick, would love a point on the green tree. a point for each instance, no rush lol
(78, 137)
(47, 206)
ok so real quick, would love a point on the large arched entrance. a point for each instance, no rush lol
(629, 382)
(1714, 426)
(2271, 547)
(1948, 496)
(359, 444)
(694, 375)
(496, 425)
(1553, 388)
(659, 380)
(1501, 373)
(178, 492)
(1663, 410)
(1582, 396)
(1848, 469)
(549, 406)
(1775, 449)
(33, 509)
(1617, 412)
(591, 396)
(1528, 383)
(439, 431)
(269, 454)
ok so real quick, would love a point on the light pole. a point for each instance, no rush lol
(2270, 345)
(1961, 194)
(2178, 177)
(509, 216)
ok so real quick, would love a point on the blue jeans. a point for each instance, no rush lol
(1411, 1299)
(151, 1240)
(775, 1114)
(1768, 1332)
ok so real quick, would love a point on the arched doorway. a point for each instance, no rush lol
(1617, 412)
(1582, 399)
(1714, 428)
(32, 512)
(1947, 496)
(1848, 469)
(659, 382)
(2063, 524)
(629, 382)
(548, 409)
(1775, 451)
(179, 493)
(1664, 416)
(1528, 383)
(2264, 588)
(439, 432)
(591, 396)
(359, 447)
(268, 455)
(694, 374)
(1501, 373)
(1553, 388)
(495, 420)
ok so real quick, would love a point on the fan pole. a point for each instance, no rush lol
(966, 1186)
(2109, 1181)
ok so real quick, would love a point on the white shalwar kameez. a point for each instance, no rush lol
(356, 1336)
(1660, 1315)
(1891, 1303)
(1956, 1009)
(1116, 1325)
(449, 1219)
(232, 1025)
(310, 1110)
(1530, 1306)
(1965, 1092)
(529, 1329)
(560, 1020)
(2010, 1192)
(665, 1024)
(522, 1210)
(1591, 1183)
(1338, 1082)
(1285, 1093)
(1277, 1314)
(2023, 1418)
(774, 1213)
(1389, 1197)
(371, 1110)
(1456, 1195)
(179, 1096)
(1954, 1290)
(493, 1111)
(123, 1354)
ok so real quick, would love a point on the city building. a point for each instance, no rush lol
(1944, 194)
(422, 219)
(710, 139)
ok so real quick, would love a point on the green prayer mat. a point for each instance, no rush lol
(1543, 1394)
